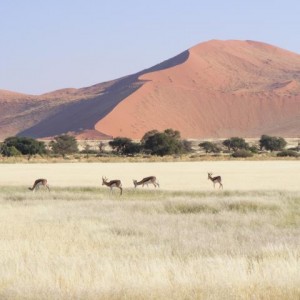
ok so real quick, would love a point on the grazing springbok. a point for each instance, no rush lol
(146, 180)
(38, 183)
(113, 183)
(216, 179)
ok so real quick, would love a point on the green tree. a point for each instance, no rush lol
(124, 146)
(147, 135)
(236, 143)
(210, 147)
(132, 148)
(9, 151)
(163, 143)
(24, 145)
(64, 144)
(172, 133)
(272, 143)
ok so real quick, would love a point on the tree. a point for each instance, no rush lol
(172, 133)
(187, 146)
(119, 144)
(101, 147)
(9, 151)
(236, 143)
(64, 144)
(163, 143)
(210, 147)
(272, 143)
(23, 145)
(158, 144)
(132, 148)
(86, 149)
(147, 135)
(124, 146)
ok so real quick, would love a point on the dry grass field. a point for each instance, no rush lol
(182, 241)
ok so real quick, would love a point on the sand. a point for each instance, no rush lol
(223, 89)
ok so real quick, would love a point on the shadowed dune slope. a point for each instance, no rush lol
(87, 106)
(215, 89)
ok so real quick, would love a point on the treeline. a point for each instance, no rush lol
(153, 142)
(238, 147)
(16, 146)
(167, 142)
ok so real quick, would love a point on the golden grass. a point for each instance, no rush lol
(92, 158)
(85, 243)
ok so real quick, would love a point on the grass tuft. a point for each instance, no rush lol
(249, 206)
(190, 208)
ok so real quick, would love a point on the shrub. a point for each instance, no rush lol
(253, 149)
(242, 153)
(297, 148)
(285, 153)
(89, 151)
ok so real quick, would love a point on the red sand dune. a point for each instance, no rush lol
(223, 89)
(215, 89)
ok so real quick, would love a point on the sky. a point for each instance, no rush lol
(54, 44)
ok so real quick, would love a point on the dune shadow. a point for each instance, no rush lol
(85, 113)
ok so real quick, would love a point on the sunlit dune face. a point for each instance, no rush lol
(222, 89)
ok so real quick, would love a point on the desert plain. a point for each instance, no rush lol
(184, 240)
(181, 176)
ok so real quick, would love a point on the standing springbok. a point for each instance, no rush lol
(38, 183)
(216, 179)
(113, 183)
(146, 180)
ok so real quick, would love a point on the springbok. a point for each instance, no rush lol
(113, 183)
(38, 183)
(146, 180)
(216, 179)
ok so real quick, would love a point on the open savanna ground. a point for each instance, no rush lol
(181, 176)
(181, 241)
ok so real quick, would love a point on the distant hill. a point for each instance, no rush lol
(215, 89)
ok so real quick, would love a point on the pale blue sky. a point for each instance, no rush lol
(48, 45)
